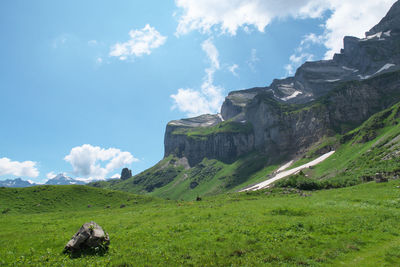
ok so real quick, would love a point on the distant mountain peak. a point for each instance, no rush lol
(62, 179)
(17, 182)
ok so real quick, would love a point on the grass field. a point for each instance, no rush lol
(349, 226)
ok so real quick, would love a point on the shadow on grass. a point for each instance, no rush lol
(86, 251)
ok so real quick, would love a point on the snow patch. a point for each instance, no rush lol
(376, 35)
(295, 94)
(386, 67)
(387, 33)
(220, 116)
(332, 81)
(286, 86)
(284, 174)
(285, 166)
(349, 69)
(364, 77)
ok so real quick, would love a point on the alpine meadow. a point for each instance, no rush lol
(304, 171)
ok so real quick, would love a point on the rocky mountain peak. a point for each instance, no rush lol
(263, 119)
(391, 22)
(62, 179)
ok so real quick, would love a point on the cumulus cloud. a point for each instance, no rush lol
(116, 176)
(233, 69)
(296, 60)
(16, 168)
(51, 175)
(226, 16)
(210, 97)
(141, 42)
(95, 162)
(352, 18)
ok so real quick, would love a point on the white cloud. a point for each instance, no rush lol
(296, 61)
(90, 179)
(353, 17)
(227, 15)
(253, 59)
(141, 42)
(92, 43)
(212, 53)
(116, 176)
(88, 161)
(233, 69)
(16, 168)
(210, 97)
(51, 175)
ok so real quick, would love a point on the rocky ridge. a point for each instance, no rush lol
(323, 98)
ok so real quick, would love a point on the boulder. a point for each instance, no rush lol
(89, 236)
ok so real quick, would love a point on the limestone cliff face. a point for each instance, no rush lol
(281, 129)
(225, 143)
(323, 98)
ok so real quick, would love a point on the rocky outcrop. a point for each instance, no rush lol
(286, 129)
(390, 22)
(126, 174)
(89, 236)
(323, 98)
(224, 141)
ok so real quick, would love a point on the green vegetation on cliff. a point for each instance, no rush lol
(372, 148)
(360, 154)
(223, 127)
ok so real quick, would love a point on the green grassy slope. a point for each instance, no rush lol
(350, 226)
(169, 179)
(372, 148)
(352, 162)
(48, 198)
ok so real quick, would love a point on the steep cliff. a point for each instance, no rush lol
(323, 98)
(294, 118)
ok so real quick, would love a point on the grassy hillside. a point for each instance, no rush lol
(171, 180)
(360, 154)
(48, 198)
(373, 148)
(354, 226)
(223, 127)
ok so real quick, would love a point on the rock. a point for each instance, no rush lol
(89, 236)
(349, 89)
(126, 174)
(193, 185)
(379, 178)
(122, 206)
(198, 198)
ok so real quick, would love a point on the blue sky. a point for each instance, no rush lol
(87, 87)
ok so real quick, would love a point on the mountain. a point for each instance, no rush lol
(283, 116)
(18, 182)
(61, 179)
(295, 118)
